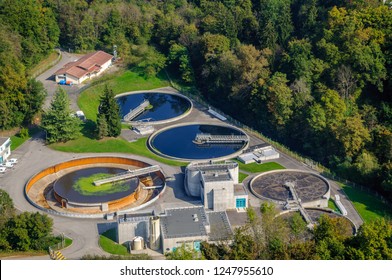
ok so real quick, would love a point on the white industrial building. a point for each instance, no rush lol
(5, 148)
(173, 228)
(89, 66)
(216, 184)
(258, 154)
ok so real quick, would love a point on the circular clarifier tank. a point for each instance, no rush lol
(162, 106)
(72, 186)
(180, 142)
(283, 185)
(89, 186)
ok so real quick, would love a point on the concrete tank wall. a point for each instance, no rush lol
(192, 182)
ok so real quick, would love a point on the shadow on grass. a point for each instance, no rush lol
(111, 234)
(89, 129)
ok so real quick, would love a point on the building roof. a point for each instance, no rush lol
(256, 147)
(134, 217)
(217, 176)
(239, 189)
(90, 63)
(3, 140)
(208, 166)
(220, 228)
(184, 222)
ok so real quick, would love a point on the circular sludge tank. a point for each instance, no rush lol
(154, 107)
(198, 141)
(86, 186)
(281, 186)
(70, 187)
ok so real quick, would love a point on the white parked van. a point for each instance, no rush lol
(13, 160)
(8, 164)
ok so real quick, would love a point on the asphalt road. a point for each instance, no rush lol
(47, 78)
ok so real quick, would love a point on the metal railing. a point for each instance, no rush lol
(137, 111)
(127, 175)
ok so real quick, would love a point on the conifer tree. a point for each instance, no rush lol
(110, 109)
(59, 122)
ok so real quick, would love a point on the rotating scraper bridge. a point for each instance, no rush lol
(207, 138)
(293, 189)
(128, 175)
(137, 111)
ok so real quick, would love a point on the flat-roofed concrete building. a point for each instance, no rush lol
(176, 226)
(5, 148)
(216, 184)
(258, 154)
(191, 226)
(89, 66)
(132, 225)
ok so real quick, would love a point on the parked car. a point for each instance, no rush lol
(8, 164)
(13, 160)
(64, 82)
(2, 169)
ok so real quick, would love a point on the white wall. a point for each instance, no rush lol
(5, 149)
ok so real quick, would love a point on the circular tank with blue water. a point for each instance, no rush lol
(159, 106)
(180, 142)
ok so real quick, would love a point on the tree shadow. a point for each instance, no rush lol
(89, 129)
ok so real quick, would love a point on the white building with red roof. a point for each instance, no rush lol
(87, 67)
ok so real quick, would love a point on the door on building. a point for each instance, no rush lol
(240, 203)
(196, 246)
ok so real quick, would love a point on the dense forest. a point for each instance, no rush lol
(315, 75)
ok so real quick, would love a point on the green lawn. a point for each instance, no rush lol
(332, 205)
(368, 206)
(85, 185)
(107, 243)
(112, 145)
(256, 167)
(126, 126)
(121, 82)
(16, 141)
(242, 176)
(68, 242)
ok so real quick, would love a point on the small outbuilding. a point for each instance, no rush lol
(87, 67)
